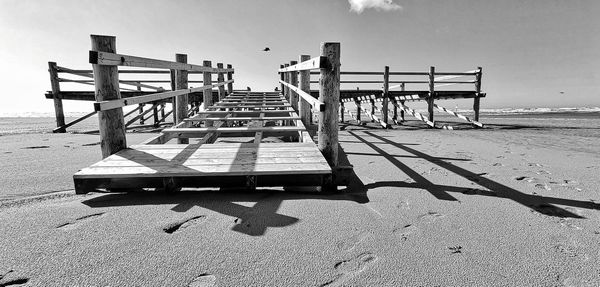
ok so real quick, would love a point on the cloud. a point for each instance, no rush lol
(359, 6)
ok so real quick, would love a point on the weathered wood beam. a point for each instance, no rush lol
(329, 94)
(113, 104)
(310, 64)
(106, 78)
(113, 59)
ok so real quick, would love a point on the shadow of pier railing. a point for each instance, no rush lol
(542, 204)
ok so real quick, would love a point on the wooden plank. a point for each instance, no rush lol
(192, 131)
(315, 103)
(64, 127)
(113, 59)
(415, 114)
(89, 75)
(476, 123)
(118, 103)
(201, 171)
(231, 119)
(311, 64)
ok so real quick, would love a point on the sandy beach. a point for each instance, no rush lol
(510, 205)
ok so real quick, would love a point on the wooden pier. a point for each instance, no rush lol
(200, 149)
(221, 137)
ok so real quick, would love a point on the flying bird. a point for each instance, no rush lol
(267, 49)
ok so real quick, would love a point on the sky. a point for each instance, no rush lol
(534, 53)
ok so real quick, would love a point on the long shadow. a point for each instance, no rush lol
(538, 203)
(253, 220)
(422, 181)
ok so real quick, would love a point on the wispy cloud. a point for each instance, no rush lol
(359, 6)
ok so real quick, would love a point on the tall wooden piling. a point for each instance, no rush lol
(58, 106)
(181, 102)
(282, 77)
(106, 82)
(229, 77)
(386, 88)
(221, 78)
(294, 81)
(286, 78)
(304, 82)
(358, 111)
(329, 93)
(477, 94)
(431, 93)
(402, 88)
(207, 94)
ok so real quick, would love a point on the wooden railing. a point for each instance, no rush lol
(105, 61)
(429, 91)
(295, 85)
(145, 88)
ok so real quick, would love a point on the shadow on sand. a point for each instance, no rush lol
(263, 214)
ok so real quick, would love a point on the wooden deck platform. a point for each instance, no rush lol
(204, 163)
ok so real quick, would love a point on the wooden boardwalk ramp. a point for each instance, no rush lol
(213, 158)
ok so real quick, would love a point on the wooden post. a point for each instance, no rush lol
(358, 111)
(58, 106)
(304, 82)
(207, 94)
(342, 110)
(140, 106)
(294, 81)
(229, 77)
(431, 93)
(174, 99)
(221, 78)
(402, 88)
(477, 91)
(155, 114)
(386, 88)
(329, 93)
(106, 82)
(181, 102)
(282, 77)
(286, 78)
(372, 102)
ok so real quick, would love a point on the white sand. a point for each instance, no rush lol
(428, 208)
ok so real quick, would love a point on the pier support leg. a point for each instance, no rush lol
(329, 93)
(358, 111)
(430, 109)
(476, 109)
(207, 94)
(106, 81)
(386, 81)
(58, 106)
(304, 82)
(181, 102)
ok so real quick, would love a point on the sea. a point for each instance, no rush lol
(578, 117)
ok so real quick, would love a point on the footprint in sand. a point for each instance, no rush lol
(430, 216)
(348, 269)
(204, 280)
(405, 231)
(12, 278)
(350, 243)
(184, 223)
(74, 224)
(542, 186)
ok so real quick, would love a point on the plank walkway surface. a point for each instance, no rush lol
(206, 161)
